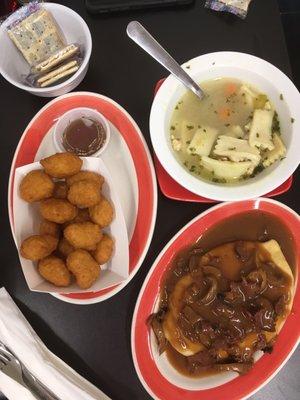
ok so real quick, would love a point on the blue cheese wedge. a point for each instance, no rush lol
(260, 135)
(236, 150)
(228, 170)
(279, 151)
(203, 141)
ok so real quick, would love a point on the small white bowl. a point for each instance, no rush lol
(13, 67)
(76, 113)
(247, 68)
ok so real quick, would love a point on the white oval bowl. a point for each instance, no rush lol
(72, 115)
(13, 66)
(247, 68)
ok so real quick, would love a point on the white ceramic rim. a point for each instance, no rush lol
(154, 213)
(200, 187)
(86, 59)
(100, 118)
(133, 324)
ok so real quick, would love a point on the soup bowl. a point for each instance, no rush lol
(248, 69)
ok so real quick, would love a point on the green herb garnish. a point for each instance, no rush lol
(257, 170)
(276, 124)
(190, 127)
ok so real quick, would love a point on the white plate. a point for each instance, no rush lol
(247, 68)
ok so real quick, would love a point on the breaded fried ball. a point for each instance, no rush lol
(83, 235)
(37, 247)
(58, 210)
(36, 186)
(86, 176)
(49, 228)
(62, 165)
(64, 247)
(54, 270)
(60, 190)
(104, 249)
(84, 267)
(84, 193)
(102, 213)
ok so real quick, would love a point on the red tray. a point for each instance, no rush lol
(173, 190)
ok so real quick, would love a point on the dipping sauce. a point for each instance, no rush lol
(226, 296)
(84, 137)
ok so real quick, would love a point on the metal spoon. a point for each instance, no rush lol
(142, 37)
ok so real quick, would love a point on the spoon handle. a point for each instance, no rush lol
(142, 37)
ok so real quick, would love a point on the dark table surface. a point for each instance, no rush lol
(95, 339)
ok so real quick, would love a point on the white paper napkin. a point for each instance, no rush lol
(17, 334)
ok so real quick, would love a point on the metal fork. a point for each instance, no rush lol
(11, 366)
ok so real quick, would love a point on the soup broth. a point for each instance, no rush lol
(230, 135)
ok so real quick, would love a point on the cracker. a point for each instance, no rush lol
(57, 71)
(37, 36)
(62, 55)
(59, 76)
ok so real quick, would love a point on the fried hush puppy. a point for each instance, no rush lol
(102, 213)
(86, 176)
(62, 165)
(60, 190)
(83, 235)
(54, 270)
(104, 249)
(36, 186)
(64, 247)
(49, 228)
(84, 267)
(84, 193)
(58, 210)
(37, 247)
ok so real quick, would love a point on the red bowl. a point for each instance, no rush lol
(267, 366)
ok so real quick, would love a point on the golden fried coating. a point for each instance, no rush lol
(62, 165)
(84, 193)
(54, 270)
(36, 186)
(86, 176)
(102, 213)
(49, 228)
(104, 249)
(83, 235)
(64, 247)
(84, 267)
(58, 210)
(37, 247)
(60, 190)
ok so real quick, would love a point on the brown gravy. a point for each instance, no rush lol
(254, 226)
